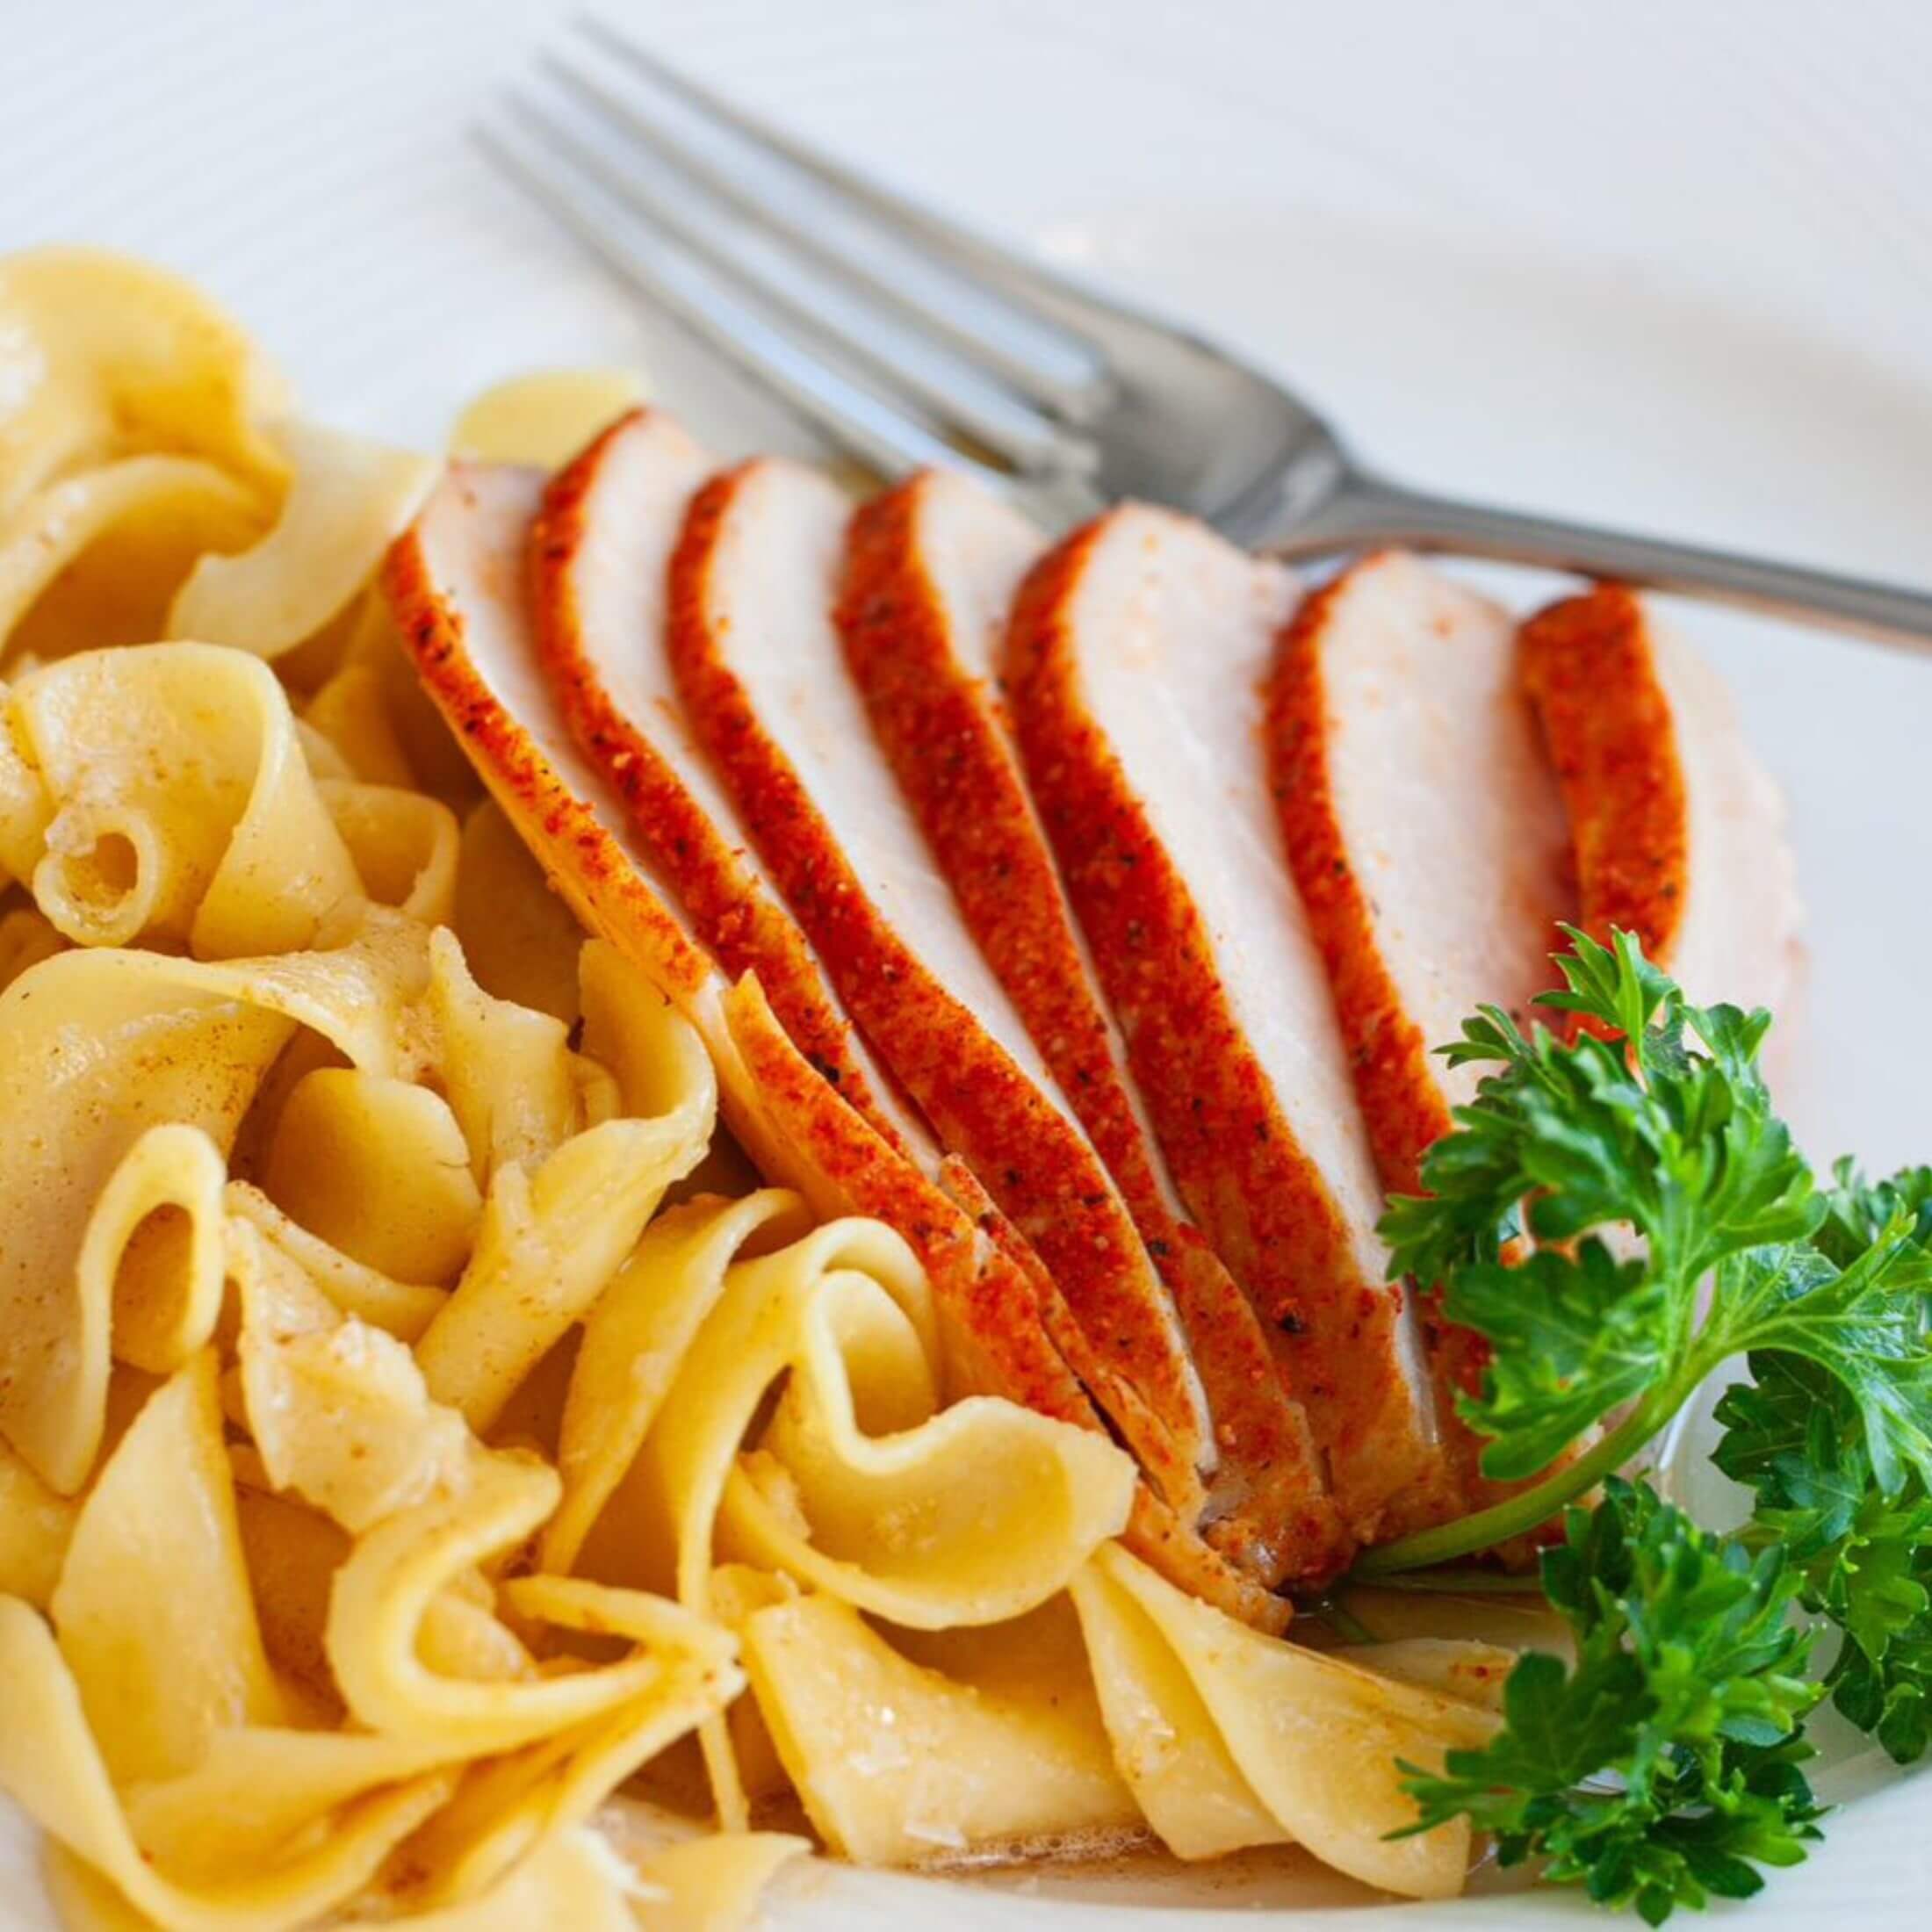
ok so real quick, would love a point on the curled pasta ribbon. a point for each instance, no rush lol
(153, 1607)
(377, 1167)
(549, 1241)
(507, 1070)
(49, 1761)
(1003, 1748)
(1230, 1737)
(509, 1805)
(855, 1488)
(403, 1309)
(174, 1049)
(635, 1342)
(382, 1595)
(402, 844)
(179, 805)
(1155, 1709)
(108, 356)
(156, 1236)
(93, 559)
(347, 500)
(337, 1409)
(163, 1057)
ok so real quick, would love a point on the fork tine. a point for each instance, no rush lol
(903, 254)
(539, 162)
(947, 388)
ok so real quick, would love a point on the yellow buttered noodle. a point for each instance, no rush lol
(414, 1422)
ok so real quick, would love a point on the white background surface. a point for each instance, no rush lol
(1671, 265)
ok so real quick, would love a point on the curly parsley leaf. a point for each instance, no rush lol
(1838, 1465)
(1663, 1768)
(1671, 1223)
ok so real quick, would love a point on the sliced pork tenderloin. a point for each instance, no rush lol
(929, 571)
(1678, 830)
(599, 550)
(763, 677)
(1426, 831)
(1424, 827)
(1137, 656)
(456, 581)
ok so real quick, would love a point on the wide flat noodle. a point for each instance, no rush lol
(507, 1805)
(348, 501)
(635, 1343)
(95, 559)
(863, 1498)
(1316, 1740)
(1165, 1739)
(153, 1607)
(378, 1167)
(170, 1043)
(178, 806)
(551, 1239)
(101, 356)
(543, 418)
(956, 1767)
(50, 1763)
(402, 844)
(337, 1409)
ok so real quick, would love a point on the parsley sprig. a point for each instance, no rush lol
(1857, 1530)
(1672, 1224)
(1663, 1767)
(1620, 1213)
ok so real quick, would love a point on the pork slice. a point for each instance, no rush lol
(763, 677)
(599, 547)
(1678, 830)
(929, 571)
(1137, 652)
(1424, 829)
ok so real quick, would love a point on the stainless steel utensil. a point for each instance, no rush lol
(908, 339)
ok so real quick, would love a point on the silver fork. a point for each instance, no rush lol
(909, 341)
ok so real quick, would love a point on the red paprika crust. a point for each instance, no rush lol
(983, 1105)
(732, 908)
(1389, 682)
(458, 571)
(455, 581)
(1588, 666)
(940, 720)
(1262, 1201)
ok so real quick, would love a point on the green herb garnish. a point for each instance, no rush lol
(1663, 1767)
(1657, 1122)
(1620, 1213)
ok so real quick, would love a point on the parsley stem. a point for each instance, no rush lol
(1463, 1580)
(1344, 1622)
(1523, 1512)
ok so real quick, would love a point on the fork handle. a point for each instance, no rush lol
(1364, 510)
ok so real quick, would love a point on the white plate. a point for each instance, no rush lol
(1657, 274)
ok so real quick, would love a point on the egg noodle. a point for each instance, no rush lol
(416, 1423)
